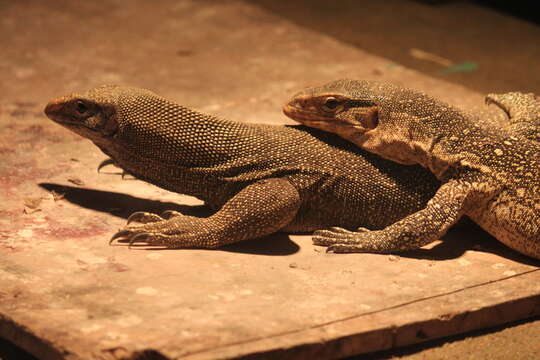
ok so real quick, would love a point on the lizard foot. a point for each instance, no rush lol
(134, 235)
(180, 231)
(339, 240)
(336, 235)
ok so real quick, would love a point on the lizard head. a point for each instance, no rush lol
(85, 114)
(332, 108)
(128, 122)
(396, 123)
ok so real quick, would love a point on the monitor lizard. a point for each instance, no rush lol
(492, 175)
(258, 178)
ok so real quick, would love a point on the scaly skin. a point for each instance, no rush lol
(259, 178)
(492, 175)
(523, 111)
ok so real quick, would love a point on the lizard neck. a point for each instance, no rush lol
(180, 149)
(426, 132)
(172, 134)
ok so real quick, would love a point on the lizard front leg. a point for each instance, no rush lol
(412, 232)
(257, 210)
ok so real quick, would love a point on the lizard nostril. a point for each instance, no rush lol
(52, 108)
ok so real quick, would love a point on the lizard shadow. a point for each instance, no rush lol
(277, 244)
(465, 236)
(120, 205)
(123, 205)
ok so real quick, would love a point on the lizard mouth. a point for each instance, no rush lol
(55, 111)
(303, 116)
(316, 120)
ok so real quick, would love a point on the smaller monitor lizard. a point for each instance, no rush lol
(491, 175)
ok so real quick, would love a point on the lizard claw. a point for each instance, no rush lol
(343, 248)
(105, 163)
(169, 214)
(337, 238)
(143, 217)
(120, 234)
(340, 230)
(142, 237)
(495, 99)
(490, 99)
(124, 174)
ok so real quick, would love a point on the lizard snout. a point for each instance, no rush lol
(53, 108)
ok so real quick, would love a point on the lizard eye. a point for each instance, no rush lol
(330, 104)
(81, 107)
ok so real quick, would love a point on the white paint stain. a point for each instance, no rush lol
(4, 275)
(227, 296)
(464, 262)
(146, 290)
(91, 328)
(113, 335)
(90, 259)
(153, 256)
(128, 321)
(25, 233)
(509, 273)
(498, 266)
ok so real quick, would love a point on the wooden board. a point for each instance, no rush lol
(65, 293)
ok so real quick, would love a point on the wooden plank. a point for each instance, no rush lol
(66, 294)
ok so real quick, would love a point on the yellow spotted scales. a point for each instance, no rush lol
(523, 111)
(490, 174)
(259, 179)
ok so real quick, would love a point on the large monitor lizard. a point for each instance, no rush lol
(492, 175)
(259, 178)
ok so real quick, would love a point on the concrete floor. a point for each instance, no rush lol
(242, 60)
